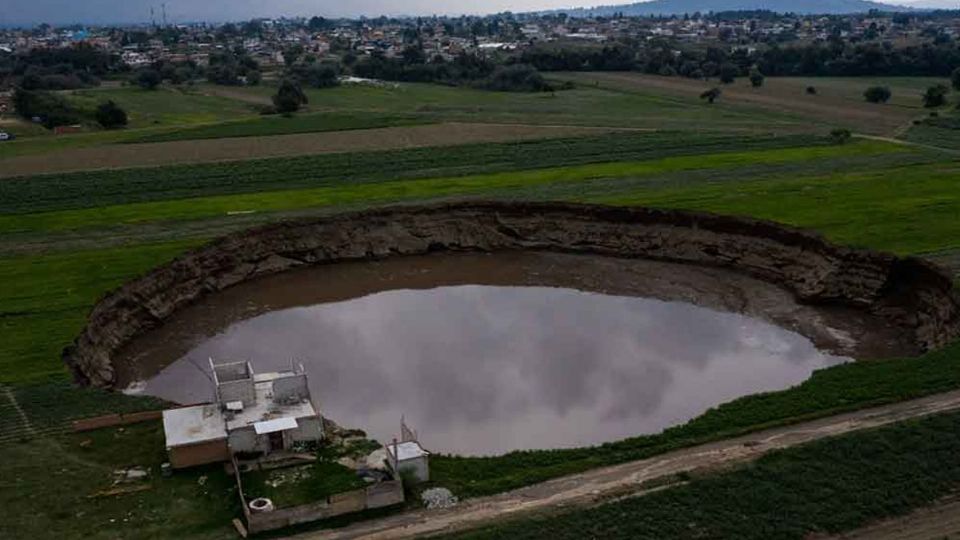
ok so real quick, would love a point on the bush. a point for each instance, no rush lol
(323, 75)
(148, 79)
(516, 78)
(728, 73)
(877, 94)
(811, 90)
(935, 96)
(756, 78)
(110, 115)
(840, 136)
(955, 79)
(289, 97)
(711, 95)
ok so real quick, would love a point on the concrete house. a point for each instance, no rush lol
(254, 415)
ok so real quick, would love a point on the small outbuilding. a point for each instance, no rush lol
(409, 457)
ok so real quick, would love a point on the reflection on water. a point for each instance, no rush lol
(484, 369)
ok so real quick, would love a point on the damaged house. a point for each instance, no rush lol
(254, 414)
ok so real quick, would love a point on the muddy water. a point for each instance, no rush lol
(489, 353)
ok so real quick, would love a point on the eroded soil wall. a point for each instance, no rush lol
(909, 292)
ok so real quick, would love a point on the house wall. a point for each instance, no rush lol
(246, 440)
(377, 496)
(199, 454)
(237, 391)
(420, 467)
(309, 428)
(293, 387)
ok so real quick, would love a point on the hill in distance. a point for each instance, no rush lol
(679, 7)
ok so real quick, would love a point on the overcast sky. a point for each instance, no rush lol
(63, 11)
(23, 12)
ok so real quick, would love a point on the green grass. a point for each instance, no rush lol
(102, 188)
(294, 486)
(164, 106)
(829, 391)
(581, 106)
(280, 125)
(906, 210)
(829, 486)
(48, 490)
(45, 300)
(352, 193)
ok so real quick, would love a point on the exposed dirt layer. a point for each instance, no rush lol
(630, 479)
(840, 331)
(240, 148)
(907, 292)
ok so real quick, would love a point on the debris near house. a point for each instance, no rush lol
(120, 490)
(438, 498)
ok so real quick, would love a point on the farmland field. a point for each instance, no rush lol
(838, 101)
(69, 236)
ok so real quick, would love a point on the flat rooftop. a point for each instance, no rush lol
(193, 425)
(407, 450)
(265, 409)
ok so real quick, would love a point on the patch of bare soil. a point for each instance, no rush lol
(634, 478)
(242, 148)
(774, 95)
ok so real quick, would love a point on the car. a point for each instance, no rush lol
(4, 136)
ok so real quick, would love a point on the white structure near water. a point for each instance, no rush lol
(254, 414)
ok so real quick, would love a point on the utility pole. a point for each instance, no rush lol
(164, 5)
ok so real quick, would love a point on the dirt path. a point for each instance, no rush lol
(629, 478)
(243, 148)
(940, 521)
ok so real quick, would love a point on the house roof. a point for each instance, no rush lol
(265, 408)
(407, 450)
(277, 424)
(192, 425)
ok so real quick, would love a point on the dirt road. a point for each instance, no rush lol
(629, 478)
(940, 521)
(241, 148)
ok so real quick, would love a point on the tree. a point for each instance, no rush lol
(811, 90)
(955, 79)
(935, 96)
(289, 97)
(756, 78)
(711, 95)
(52, 109)
(110, 115)
(291, 54)
(877, 94)
(728, 73)
(148, 79)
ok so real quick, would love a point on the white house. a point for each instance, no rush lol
(254, 414)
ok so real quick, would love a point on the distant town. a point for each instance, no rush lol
(272, 42)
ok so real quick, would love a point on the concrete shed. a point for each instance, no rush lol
(195, 436)
(409, 456)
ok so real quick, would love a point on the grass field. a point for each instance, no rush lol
(838, 101)
(280, 125)
(66, 239)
